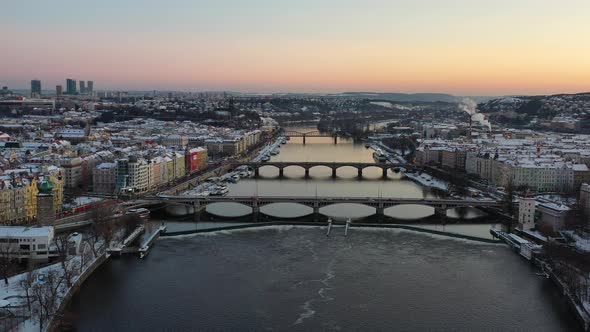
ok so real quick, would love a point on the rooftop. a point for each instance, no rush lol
(24, 231)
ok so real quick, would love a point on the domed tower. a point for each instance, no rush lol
(45, 208)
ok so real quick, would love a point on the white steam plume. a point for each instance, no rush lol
(470, 107)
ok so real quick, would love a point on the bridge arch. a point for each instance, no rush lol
(409, 211)
(228, 209)
(466, 213)
(286, 210)
(378, 169)
(348, 210)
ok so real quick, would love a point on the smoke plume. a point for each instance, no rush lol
(470, 107)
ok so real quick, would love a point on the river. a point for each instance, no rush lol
(296, 278)
(291, 278)
(321, 183)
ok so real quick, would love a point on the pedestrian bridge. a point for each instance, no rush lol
(334, 166)
(379, 203)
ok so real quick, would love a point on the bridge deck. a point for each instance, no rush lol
(260, 200)
(335, 164)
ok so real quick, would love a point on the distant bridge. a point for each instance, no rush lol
(379, 203)
(334, 166)
(314, 133)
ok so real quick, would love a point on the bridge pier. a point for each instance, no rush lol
(316, 212)
(281, 173)
(384, 172)
(307, 173)
(255, 211)
(333, 172)
(197, 212)
(440, 212)
(360, 172)
(256, 172)
(303, 139)
(380, 212)
(335, 139)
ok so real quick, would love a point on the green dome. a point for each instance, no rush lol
(45, 187)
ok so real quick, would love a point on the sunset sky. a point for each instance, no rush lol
(463, 47)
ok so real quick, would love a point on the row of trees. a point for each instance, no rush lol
(572, 266)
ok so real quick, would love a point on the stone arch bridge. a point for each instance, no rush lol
(313, 133)
(334, 166)
(380, 204)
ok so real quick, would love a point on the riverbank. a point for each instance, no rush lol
(71, 292)
(581, 313)
(14, 296)
(428, 180)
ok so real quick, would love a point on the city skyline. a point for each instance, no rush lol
(459, 47)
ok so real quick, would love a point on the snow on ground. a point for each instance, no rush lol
(382, 104)
(14, 294)
(13, 287)
(428, 181)
(582, 242)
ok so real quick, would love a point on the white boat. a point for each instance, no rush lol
(265, 158)
(220, 191)
(284, 141)
(143, 213)
(379, 156)
(274, 152)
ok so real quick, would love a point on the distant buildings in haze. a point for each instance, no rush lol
(35, 88)
(70, 86)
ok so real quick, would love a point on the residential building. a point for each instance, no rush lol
(27, 242)
(104, 178)
(72, 172)
(552, 213)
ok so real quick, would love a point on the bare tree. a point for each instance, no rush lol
(62, 245)
(130, 223)
(86, 255)
(27, 284)
(7, 261)
(576, 219)
(46, 294)
(102, 229)
(508, 206)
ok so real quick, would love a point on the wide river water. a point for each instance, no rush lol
(296, 278)
(290, 278)
(321, 183)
